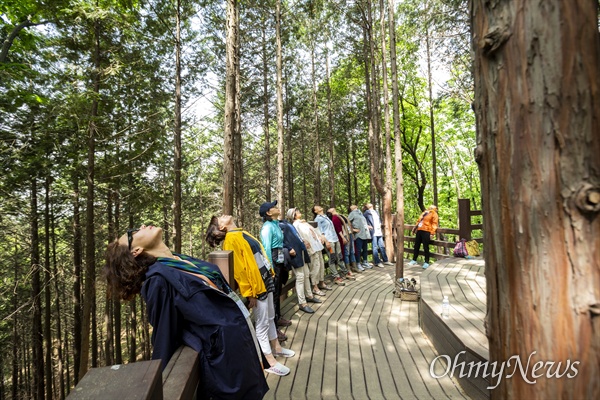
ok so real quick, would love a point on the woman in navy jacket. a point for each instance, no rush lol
(189, 303)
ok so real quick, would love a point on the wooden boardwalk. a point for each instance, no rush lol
(361, 343)
(463, 281)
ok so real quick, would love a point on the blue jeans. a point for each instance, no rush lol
(362, 249)
(349, 251)
(378, 245)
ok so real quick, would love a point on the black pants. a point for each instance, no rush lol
(281, 278)
(422, 237)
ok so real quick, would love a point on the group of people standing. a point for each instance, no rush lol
(190, 303)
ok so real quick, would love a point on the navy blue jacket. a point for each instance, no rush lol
(184, 310)
(292, 240)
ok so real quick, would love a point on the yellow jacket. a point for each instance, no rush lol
(245, 268)
(429, 221)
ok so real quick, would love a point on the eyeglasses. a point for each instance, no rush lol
(130, 233)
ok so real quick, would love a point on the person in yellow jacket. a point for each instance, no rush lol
(426, 228)
(254, 275)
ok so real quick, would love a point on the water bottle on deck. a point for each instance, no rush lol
(446, 308)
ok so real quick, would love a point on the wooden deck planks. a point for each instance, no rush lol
(361, 343)
(463, 281)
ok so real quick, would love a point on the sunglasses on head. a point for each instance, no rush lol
(130, 233)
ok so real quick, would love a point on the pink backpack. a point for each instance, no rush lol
(460, 249)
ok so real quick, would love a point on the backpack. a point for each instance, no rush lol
(472, 248)
(460, 249)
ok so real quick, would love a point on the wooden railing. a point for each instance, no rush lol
(444, 247)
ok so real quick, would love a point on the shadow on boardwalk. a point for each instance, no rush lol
(361, 343)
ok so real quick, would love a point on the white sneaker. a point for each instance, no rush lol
(278, 369)
(413, 262)
(380, 265)
(285, 353)
(367, 265)
(425, 266)
(389, 264)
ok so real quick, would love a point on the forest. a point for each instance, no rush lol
(115, 113)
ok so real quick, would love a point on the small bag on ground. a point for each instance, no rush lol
(472, 248)
(460, 249)
(407, 289)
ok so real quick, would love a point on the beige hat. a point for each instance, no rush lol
(291, 214)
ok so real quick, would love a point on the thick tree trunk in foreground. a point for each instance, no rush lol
(537, 69)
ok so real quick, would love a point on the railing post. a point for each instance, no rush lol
(464, 219)
(224, 260)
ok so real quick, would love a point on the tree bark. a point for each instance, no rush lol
(397, 145)
(37, 337)
(266, 112)
(280, 133)
(77, 269)
(47, 292)
(237, 135)
(537, 69)
(15, 333)
(177, 133)
(317, 160)
(431, 121)
(57, 300)
(387, 188)
(230, 107)
(331, 141)
(90, 243)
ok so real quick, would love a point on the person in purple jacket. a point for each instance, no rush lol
(189, 303)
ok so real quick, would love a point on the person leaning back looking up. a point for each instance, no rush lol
(188, 303)
(254, 276)
(271, 237)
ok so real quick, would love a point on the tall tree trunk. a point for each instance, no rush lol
(537, 68)
(375, 115)
(387, 188)
(317, 160)
(117, 302)
(57, 301)
(15, 333)
(230, 108)
(90, 243)
(431, 120)
(77, 268)
(369, 101)
(47, 292)
(266, 112)
(398, 145)
(330, 134)
(237, 138)
(133, 331)
(280, 133)
(108, 314)
(37, 332)
(177, 132)
(288, 136)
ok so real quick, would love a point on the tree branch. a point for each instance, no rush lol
(11, 37)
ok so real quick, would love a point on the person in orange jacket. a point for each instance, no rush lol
(426, 228)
